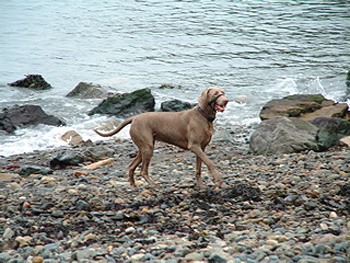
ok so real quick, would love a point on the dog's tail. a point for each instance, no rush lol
(121, 126)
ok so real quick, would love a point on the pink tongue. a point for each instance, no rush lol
(219, 108)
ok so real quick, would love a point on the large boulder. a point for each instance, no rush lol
(127, 104)
(176, 105)
(284, 135)
(304, 106)
(33, 81)
(330, 131)
(26, 115)
(88, 91)
(5, 123)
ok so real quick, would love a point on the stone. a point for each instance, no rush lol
(64, 158)
(24, 241)
(86, 90)
(83, 255)
(216, 258)
(333, 215)
(24, 116)
(32, 81)
(127, 104)
(38, 259)
(284, 135)
(72, 138)
(345, 141)
(137, 257)
(4, 177)
(292, 106)
(176, 105)
(89, 236)
(304, 106)
(99, 152)
(337, 110)
(107, 125)
(28, 170)
(82, 205)
(5, 122)
(330, 131)
(194, 256)
(98, 164)
(8, 233)
(170, 86)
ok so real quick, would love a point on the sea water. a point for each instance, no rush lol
(255, 50)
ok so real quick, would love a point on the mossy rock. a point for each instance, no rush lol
(127, 104)
(318, 98)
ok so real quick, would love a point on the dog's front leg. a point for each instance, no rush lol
(198, 171)
(197, 150)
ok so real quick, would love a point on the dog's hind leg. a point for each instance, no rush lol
(147, 153)
(132, 167)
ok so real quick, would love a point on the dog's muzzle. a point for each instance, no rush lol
(217, 107)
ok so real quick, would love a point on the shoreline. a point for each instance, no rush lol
(282, 208)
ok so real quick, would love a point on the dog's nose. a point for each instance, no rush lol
(225, 100)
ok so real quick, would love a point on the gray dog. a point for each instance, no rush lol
(190, 129)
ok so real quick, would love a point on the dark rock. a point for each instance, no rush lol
(215, 258)
(5, 122)
(65, 158)
(82, 205)
(26, 115)
(176, 105)
(330, 131)
(284, 135)
(28, 170)
(125, 105)
(169, 86)
(36, 82)
(88, 91)
(305, 106)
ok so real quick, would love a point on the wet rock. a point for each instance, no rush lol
(176, 105)
(86, 90)
(215, 258)
(5, 122)
(82, 205)
(72, 138)
(170, 86)
(24, 116)
(330, 131)
(127, 104)
(305, 106)
(284, 135)
(33, 81)
(28, 170)
(64, 158)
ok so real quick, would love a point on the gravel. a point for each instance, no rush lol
(278, 208)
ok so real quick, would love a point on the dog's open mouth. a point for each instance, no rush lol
(220, 108)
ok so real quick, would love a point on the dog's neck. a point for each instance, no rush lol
(206, 112)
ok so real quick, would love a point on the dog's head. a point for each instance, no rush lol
(215, 98)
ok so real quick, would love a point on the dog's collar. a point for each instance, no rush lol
(213, 101)
(211, 119)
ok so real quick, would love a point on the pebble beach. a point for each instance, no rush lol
(278, 208)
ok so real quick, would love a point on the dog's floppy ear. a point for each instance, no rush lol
(203, 98)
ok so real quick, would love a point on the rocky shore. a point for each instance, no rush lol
(278, 208)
